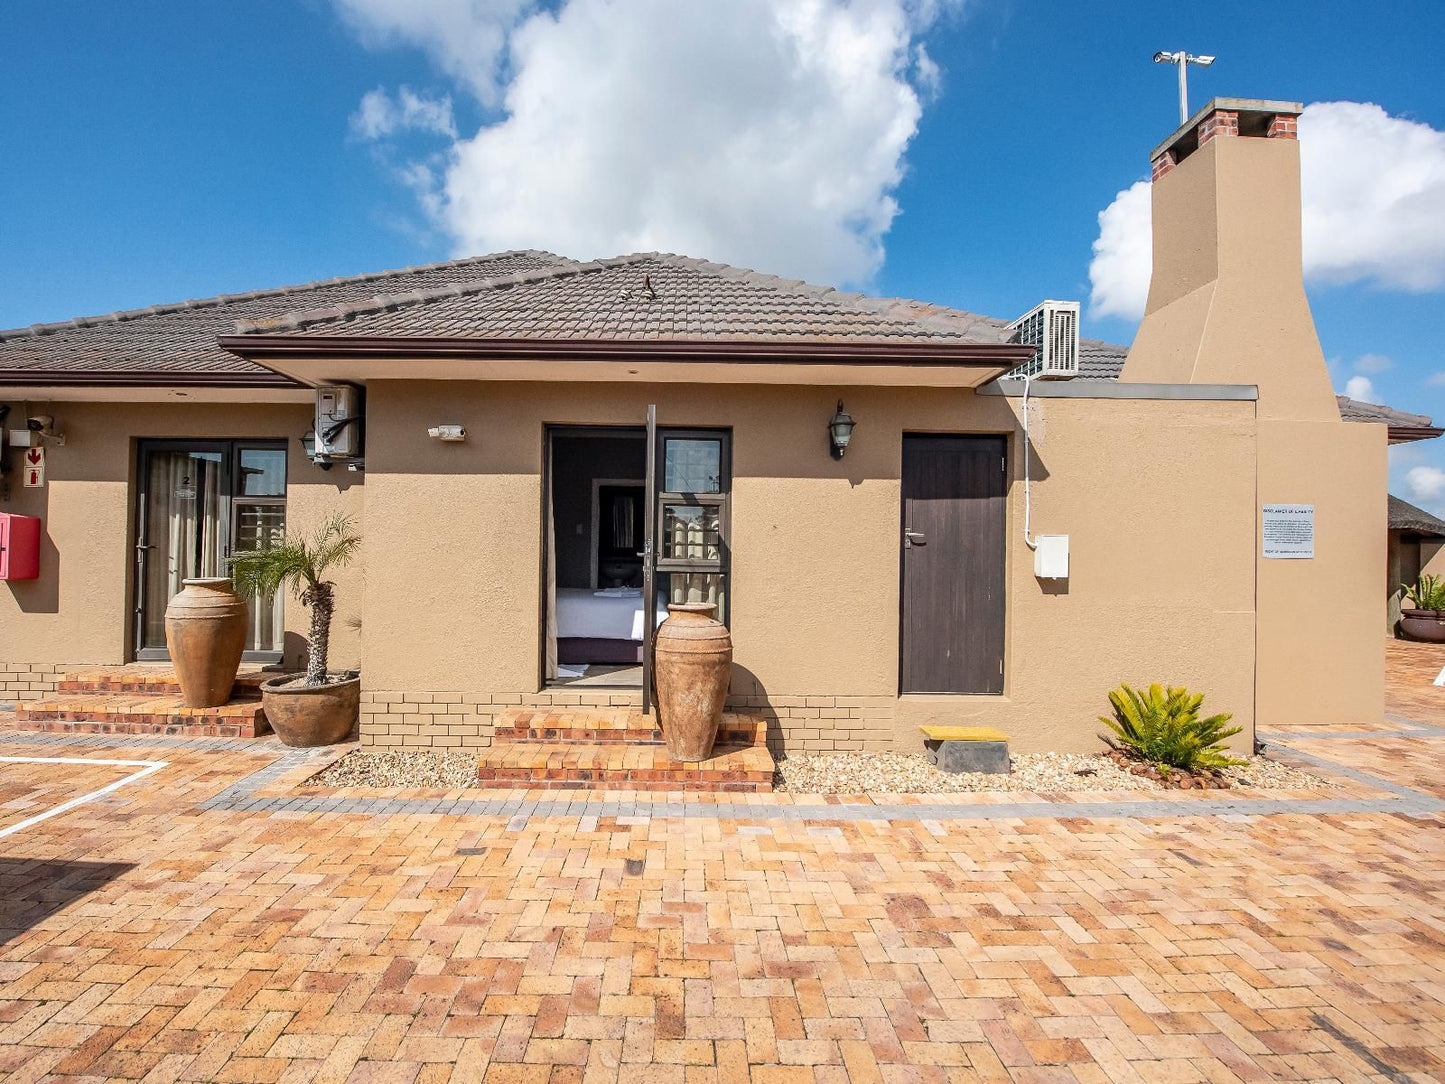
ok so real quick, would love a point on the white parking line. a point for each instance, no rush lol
(146, 768)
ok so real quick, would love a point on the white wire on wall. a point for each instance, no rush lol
(1028, 504)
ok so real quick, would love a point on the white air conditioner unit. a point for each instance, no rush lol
(1053, 330)
(338, 422)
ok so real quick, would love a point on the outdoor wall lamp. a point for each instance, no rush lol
(308, 444)
(840, 431)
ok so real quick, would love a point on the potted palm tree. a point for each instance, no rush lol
(1422, 609)
(318, 707)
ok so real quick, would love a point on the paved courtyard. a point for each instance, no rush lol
(204, 920)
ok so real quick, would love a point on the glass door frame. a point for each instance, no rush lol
(229, 450)
(655, 498)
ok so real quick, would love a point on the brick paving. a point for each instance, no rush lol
(164, 932)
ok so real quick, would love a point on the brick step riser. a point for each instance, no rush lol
(148, 688)
(191, 728)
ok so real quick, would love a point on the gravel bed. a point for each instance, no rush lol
(911, 773)
(412, 769)
(831, 773)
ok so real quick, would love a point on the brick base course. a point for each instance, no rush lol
(439, 720)
(29, 680)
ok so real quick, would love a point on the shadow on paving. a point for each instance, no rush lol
(31, 889)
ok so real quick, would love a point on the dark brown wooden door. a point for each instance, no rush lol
(954, 494)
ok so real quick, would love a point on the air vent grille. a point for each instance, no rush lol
(1052, 329)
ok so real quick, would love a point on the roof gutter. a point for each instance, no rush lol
(259, 348)
(1404, 434)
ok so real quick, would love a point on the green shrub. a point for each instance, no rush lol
(1165, 729)
(1428, 593)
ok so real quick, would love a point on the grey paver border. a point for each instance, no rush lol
(241, 796)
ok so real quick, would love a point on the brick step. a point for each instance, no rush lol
(132, 713)
(557, 766)
(611, 726)
(155, 679)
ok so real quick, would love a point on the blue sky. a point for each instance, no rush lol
(164, 150)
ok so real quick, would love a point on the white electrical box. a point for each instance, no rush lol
(1051, 556)
(338, 422)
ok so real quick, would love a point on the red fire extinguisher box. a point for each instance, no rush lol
(19, 547)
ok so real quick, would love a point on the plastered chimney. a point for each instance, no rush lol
(1226, 300)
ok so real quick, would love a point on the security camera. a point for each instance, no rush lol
(40, 423)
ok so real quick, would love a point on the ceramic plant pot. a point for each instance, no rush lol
(205, 634)
(1426, 625)
(305, 716)
(693, 662)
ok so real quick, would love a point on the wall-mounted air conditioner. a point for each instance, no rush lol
(338, 422)
(1053, 330)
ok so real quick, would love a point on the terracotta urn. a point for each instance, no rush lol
(693, 661)
(205, 633)
(1426, 625)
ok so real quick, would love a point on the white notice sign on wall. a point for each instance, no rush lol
(1289, 531)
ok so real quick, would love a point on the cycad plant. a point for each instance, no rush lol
(300, 565)
(1164, 727)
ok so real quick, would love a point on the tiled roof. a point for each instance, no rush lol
(1352, 410)
(181, 337)
(642, 297)
(1406, 517)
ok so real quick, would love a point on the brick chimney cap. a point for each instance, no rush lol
(1260, 107)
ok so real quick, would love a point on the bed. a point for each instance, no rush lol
(603, 626)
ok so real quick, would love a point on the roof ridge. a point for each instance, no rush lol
(218, 300)
(294, 321)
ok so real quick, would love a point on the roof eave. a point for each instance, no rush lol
(260, 348)
(1404, 434)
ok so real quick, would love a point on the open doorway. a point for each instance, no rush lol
(596, 508)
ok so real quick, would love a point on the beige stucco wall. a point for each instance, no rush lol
(1226, 300)
(79, 610)
(1157, 497)
(1321, 655)
(1227, 304)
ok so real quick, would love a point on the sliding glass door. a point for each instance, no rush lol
(199, 502)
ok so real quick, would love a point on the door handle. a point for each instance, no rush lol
(914, 538)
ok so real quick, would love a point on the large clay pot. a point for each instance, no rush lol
(693, 662)
(305, 716)
(1426, 625)
(205, 634)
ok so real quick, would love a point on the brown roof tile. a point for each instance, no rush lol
(181, 337)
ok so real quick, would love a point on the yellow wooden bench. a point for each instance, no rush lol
(963, 733)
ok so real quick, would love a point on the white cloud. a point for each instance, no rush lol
(765, 133)
(466, 39)
(1373, 363)
(380, 115)
(1119, 272)
(1373, 193)
(1363, 389)
(1425, 483)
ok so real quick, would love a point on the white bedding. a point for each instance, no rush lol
(604, 615)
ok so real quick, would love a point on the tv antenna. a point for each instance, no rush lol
(1182, 60)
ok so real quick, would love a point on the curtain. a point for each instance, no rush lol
(183, 512)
